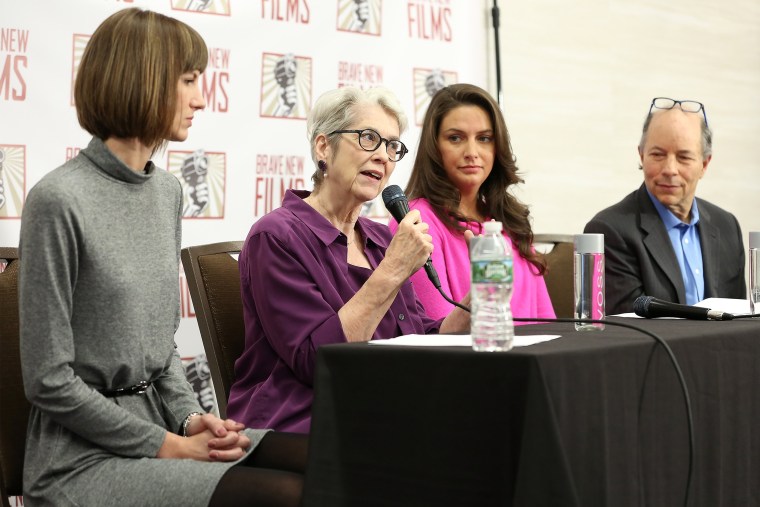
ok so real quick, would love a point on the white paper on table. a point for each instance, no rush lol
(733, 306)
(455, 340)
(627, 315)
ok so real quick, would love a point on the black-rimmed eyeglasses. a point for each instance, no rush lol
(687, 106)
(370, 140)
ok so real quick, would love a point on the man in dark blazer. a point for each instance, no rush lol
(660, 240)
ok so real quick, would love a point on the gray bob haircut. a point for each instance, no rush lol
(337, 110)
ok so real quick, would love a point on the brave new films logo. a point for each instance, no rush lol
(285, 86)
(429, 19)
(215, 79)
(274, 175)
(360, 16)
(360, 74)
(12, 180)
(219, 7)
(202, 175)
(289, 11)
(426, 83)
(13, 64)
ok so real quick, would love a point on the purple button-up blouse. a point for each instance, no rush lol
(294, 277)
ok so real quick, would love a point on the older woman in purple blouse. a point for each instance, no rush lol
(314, 272)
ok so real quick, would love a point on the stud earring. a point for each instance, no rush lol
(322, 166)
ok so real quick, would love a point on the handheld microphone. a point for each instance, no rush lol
(398, 206)
(651, 307)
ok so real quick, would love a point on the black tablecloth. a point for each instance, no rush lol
(591, 418)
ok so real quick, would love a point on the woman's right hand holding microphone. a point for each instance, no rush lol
(410, 247)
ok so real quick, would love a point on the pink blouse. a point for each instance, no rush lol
(451, 260)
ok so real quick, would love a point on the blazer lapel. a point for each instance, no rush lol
(657, 243)
(709, 240)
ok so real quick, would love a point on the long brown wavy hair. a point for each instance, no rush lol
(429, 179)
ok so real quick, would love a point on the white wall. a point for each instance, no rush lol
(578, 77)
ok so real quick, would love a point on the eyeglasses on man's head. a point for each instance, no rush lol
(370, 140)
(687, 106)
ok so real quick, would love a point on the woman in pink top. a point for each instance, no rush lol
(461, 176)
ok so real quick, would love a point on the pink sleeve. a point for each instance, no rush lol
(530, 298)
(450, 259)
(545, 308)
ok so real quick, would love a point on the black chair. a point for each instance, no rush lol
(214, 283)
(14, 411)
(558, 250)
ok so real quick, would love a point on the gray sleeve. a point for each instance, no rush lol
(176, 392)
(52, 239)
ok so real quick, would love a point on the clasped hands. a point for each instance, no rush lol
(209, 438)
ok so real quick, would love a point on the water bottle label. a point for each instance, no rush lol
(598, 312)
(492, 271)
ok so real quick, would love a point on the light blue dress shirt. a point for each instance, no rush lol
(687, 247)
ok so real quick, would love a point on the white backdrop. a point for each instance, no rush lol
(268, 61)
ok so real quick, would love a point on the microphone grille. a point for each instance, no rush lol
(391, 193)
(641, 305)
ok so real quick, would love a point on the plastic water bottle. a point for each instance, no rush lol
(588, 284)
(491, 323)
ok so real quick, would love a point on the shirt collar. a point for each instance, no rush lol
(106, 161)
(667, 216)
(322, 228)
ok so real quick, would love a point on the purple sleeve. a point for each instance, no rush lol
(297, 314)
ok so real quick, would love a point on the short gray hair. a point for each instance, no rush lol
(337, 110)
(706, 136)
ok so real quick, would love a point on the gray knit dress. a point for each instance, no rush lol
(99, 305)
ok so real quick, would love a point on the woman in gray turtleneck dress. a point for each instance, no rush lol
(100, 240)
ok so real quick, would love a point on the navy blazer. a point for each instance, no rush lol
(640, 260)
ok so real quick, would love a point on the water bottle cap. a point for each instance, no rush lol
(754, 239)
(589, 243)
(492, 227)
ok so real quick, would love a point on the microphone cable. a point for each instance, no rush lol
(657, 339)
(676, 367)
(671, 356)
(437, 284)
